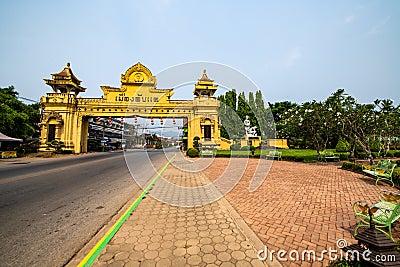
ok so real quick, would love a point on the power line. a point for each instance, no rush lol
(27, 99)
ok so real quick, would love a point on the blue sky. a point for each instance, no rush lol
(292, 50)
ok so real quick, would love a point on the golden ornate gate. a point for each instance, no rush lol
(65, 115)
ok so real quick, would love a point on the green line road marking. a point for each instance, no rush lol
(96, 250)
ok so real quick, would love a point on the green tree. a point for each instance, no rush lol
(231, 123)
(252, 103)
(235, 108)
(265, 119)
(280, 110)
(342, 146)
(356, 121)
(231, 99)
(16, 118)
(312, 122)
(252, 113)
(387, 121)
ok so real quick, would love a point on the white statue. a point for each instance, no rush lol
(250, 131)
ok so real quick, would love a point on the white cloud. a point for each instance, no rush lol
(376, 28)
(291, 57)
(349, 19)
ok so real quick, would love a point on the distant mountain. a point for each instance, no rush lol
(169, 133)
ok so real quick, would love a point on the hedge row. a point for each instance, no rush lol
(311, 158)
(356, 167)
(257, 156)
(390, 154)
(296, 158)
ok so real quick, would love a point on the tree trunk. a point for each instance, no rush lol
(387, 147)
(367, 150)
(371, 160)
(319, 155)
(352, 156)
(352, 149)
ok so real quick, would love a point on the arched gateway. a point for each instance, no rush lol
(66, 116)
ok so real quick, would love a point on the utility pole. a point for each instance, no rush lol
(102, 140)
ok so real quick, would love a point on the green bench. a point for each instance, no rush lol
(207, 151)
(381, 164)
(384, 213)
(325, 155)
(383, 170)
(275, 155)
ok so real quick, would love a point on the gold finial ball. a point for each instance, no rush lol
(204, 71)
(68, 64)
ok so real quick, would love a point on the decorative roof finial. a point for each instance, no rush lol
(68, 64)
(204, 77)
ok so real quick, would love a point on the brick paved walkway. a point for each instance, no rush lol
(158, 234)
(300, 206)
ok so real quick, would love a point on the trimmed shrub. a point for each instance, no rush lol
(57, 145)
(159, 144)
(396, 174)
(396, 154)
(362, 155)
(223, 155)
(235, 147)
(293, 158)
(352, 166)
(357, 167)
(300, 158)
(344, 263)
(390, 154)
(347, 165)
(245, 148)
(196, 142)
(343, 156)
(376, 155)
(342, 146)
(193, 152)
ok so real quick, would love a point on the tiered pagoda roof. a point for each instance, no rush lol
(65, 81)
(205, 86)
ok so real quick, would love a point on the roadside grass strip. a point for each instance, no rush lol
(96, 250)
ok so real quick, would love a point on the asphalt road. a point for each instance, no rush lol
(50, 208)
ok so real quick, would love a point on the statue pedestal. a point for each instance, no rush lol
(251, 141)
